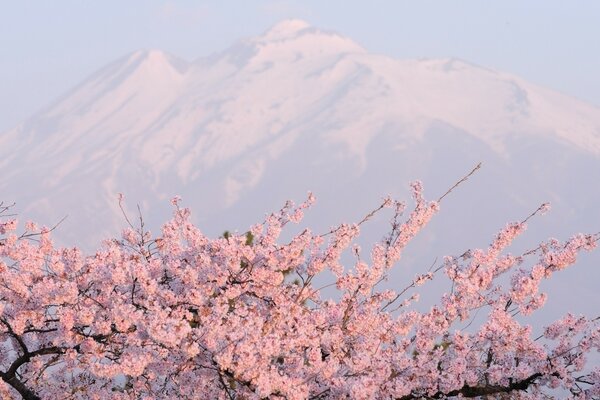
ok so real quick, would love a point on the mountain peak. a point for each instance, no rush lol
(152, 55)
(156, 59)
(297, 38)
(286, 29)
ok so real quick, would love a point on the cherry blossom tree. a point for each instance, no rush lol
(184, 316)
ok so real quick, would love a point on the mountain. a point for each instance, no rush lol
(296, 109)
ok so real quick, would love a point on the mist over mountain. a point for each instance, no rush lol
(296, 109)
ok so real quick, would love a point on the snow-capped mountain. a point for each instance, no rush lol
(296, 109)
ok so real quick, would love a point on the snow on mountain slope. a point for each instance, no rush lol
(298, 108)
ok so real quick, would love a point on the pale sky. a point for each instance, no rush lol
(48, 47)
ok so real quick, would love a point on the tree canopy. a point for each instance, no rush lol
(181, 315)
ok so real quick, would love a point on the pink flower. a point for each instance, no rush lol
(186, 315)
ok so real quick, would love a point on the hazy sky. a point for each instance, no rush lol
(47, 47)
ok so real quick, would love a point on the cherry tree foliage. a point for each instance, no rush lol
(181, 315)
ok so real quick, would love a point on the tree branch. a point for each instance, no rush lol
(476, 391)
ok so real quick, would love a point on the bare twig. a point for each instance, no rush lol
(461, 181)
(124, 213)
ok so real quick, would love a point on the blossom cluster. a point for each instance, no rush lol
(185, 316)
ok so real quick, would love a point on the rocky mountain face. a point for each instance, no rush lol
(297, 109)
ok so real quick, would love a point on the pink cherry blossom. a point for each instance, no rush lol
(181, 315)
